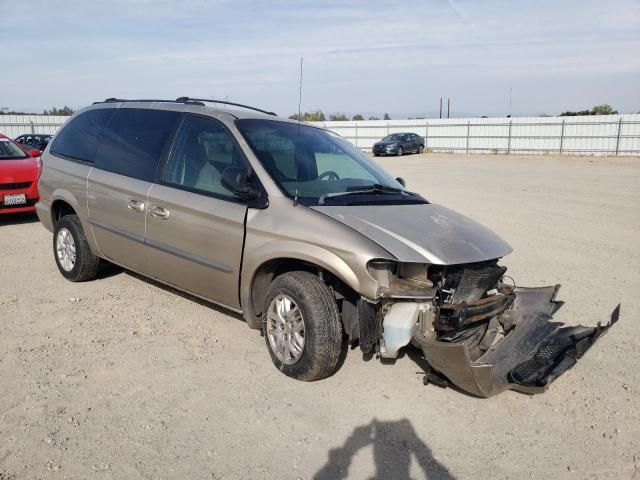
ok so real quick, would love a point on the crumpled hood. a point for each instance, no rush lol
(426, 233)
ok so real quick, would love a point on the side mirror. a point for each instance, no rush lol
(401, 181)
(35, 153)
(237, 182)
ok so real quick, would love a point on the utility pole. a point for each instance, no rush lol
(440, 107)
(448, 107)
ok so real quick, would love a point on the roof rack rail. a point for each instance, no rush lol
(124, 100)
(224, 102)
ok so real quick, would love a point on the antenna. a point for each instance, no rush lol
(295, 198)
(300, 93)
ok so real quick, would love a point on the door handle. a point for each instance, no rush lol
(135, 205)
(159, 212)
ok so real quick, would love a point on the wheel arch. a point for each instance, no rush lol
(258, 273)
(59, 208)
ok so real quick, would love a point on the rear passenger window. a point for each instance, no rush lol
(79, 139)
(203, 150)
(134, 140)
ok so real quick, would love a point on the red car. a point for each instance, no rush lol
(19, 173)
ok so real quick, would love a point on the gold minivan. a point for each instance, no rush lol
(304, 235)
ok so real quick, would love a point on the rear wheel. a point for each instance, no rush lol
(73, 256)
(421, 149)
(399, 152)
(302, 328)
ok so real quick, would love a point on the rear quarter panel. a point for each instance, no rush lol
(64, 180)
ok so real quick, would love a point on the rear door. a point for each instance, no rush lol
(195, 227)
(130, 150)
(415, 140)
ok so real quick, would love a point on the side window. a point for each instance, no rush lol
(203, 149)
(134, 140)
(79, 139)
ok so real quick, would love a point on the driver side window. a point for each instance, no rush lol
(203, 150)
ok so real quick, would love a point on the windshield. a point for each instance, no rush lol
(311, 164)
(392, 137)
(9, 150)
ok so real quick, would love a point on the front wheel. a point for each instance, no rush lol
(302, 328)
(399, 152)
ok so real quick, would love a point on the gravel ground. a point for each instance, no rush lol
(122, 378)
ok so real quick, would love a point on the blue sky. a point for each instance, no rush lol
(359, 56)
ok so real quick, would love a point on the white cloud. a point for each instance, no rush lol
(359, 55)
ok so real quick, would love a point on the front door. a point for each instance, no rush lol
(195, 227)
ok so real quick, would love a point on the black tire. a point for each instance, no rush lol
(399, 152)
(421, 149)
(86, 263)
(320, 357)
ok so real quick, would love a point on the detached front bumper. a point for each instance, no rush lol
(534, 351)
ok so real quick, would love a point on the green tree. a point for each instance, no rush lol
(338, 117)
(603, 110)
(357, 117)
(59, 111)
(597, 110)
(315, 116)
(386, 117)
(374, 118)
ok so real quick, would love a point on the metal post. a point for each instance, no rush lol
(387, 128)
(440, 107)
(509, 140)
(468, 129)
(562, 136)
(356, 133)
(32, 129)
(618, 139)
(426, 136)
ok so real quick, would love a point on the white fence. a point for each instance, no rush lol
(598, 134)
(14, 125)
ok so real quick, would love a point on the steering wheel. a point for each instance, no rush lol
(329, 173)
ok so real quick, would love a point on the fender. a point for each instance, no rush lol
(360, 282)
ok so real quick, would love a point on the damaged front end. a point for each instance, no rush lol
(476, 329)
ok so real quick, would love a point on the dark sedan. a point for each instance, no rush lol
(399, 144)
(34, 140)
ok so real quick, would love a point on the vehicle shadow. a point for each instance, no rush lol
(108, 269)
(17, 218)
(185, 295)
(394, 444)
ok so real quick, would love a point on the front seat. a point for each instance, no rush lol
(198, 171)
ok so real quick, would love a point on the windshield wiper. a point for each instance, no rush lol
(375, 188)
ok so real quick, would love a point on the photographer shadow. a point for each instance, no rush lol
(394, 444)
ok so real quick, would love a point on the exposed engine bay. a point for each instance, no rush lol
(476, 328)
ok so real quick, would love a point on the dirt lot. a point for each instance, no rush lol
(120, 378)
